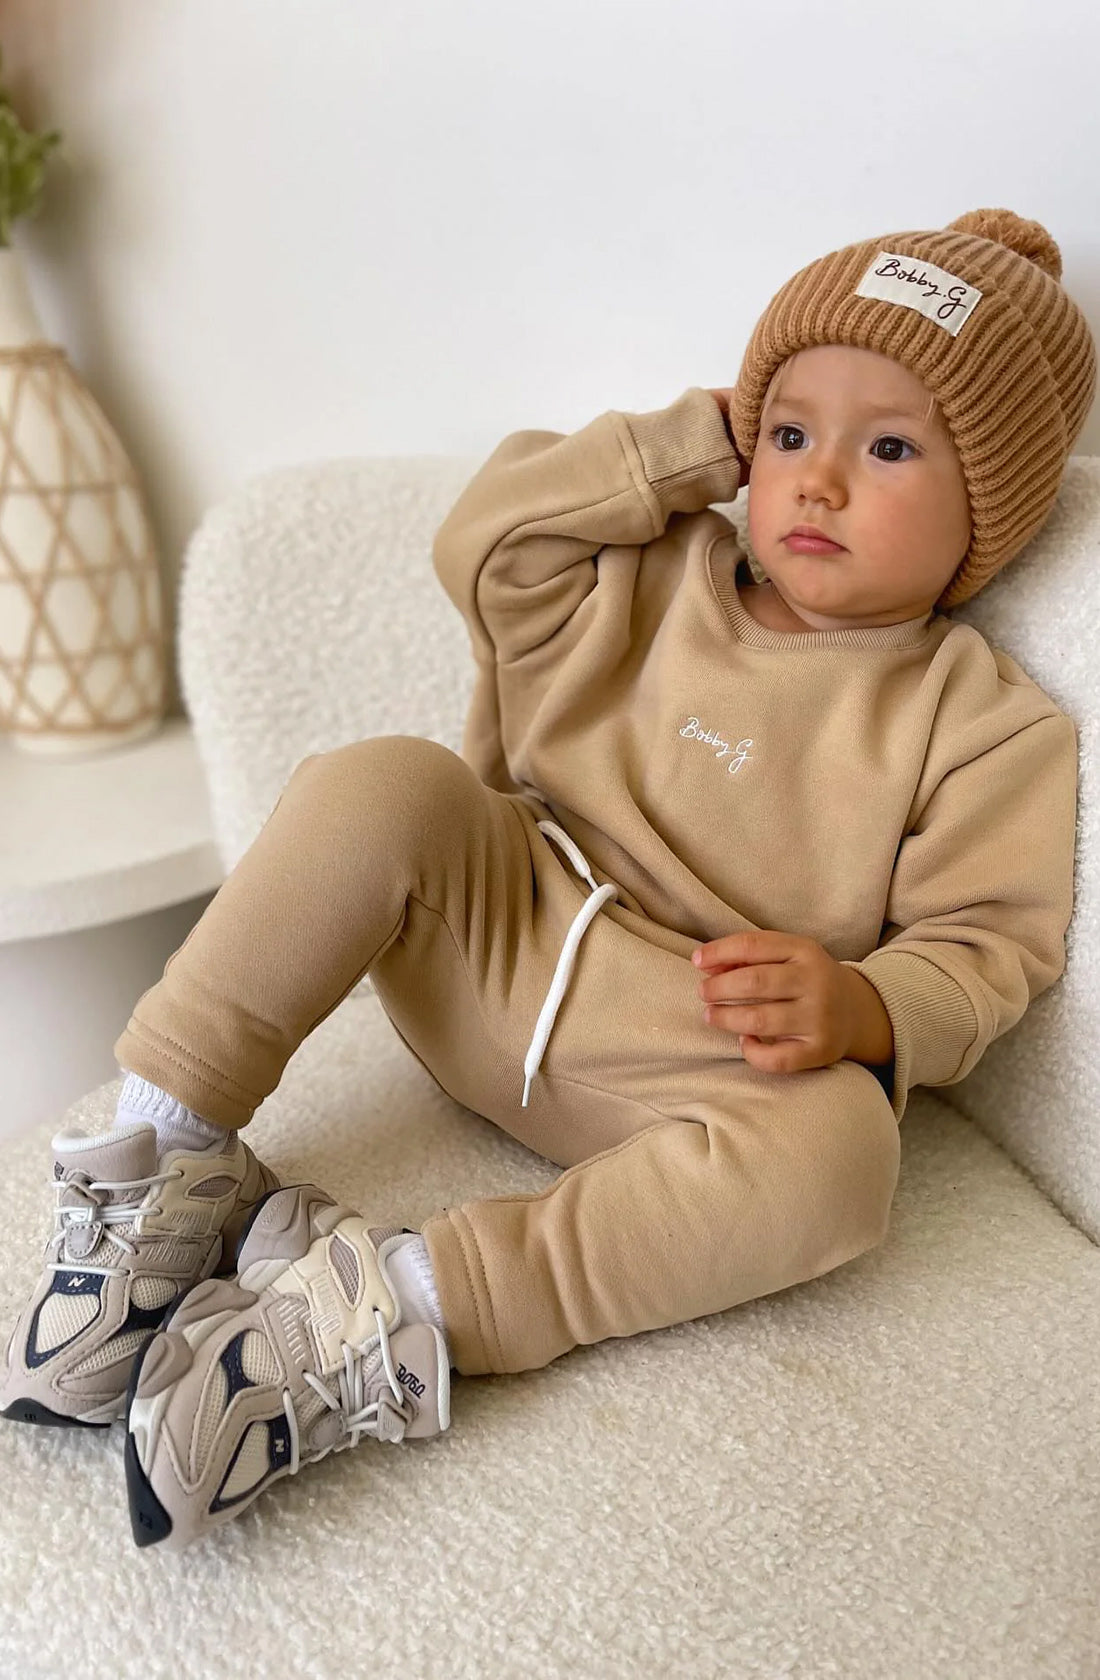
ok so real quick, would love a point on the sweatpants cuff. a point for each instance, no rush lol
(463, 1294)
(138, 1052)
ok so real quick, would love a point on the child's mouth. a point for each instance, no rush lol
(812, 545)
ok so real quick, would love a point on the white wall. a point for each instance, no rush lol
(65, 999)
(287, 229)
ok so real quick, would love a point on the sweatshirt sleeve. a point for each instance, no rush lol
(516, 553)
(982, 896)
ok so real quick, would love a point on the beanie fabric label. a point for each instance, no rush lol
(931, 291)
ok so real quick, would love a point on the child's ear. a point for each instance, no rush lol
(744, 465)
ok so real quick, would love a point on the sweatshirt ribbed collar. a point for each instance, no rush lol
(724, 580)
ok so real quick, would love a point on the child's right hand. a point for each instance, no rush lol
(722, 398)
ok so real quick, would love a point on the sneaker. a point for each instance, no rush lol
(302, 1355)
(132, 1233)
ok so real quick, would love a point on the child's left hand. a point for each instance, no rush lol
(799, 1005)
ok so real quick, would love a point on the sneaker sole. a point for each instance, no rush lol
(33, 1411)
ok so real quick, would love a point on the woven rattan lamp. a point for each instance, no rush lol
(83, 660)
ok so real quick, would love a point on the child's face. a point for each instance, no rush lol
(888, 487)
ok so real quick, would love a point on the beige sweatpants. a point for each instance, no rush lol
(692, 1181)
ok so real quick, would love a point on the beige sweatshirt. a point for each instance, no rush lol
(905, 796)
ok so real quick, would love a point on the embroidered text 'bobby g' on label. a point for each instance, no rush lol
(931, 291)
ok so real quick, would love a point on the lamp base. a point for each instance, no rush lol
(46, 743)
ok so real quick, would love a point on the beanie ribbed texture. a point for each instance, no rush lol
(1015, 381)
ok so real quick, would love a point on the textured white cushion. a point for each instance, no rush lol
(889, 1473)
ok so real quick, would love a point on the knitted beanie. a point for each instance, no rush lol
(977, 313)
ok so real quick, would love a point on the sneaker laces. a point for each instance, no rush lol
(379, 1418)
(91, 1211)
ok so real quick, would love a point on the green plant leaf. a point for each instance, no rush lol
(23, 156)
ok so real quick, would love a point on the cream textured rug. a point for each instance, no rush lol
(889, 1473)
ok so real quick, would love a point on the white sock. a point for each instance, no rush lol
(177, 1127)
(414, 1281)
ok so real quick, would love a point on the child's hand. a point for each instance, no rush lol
(802, 1008)
(722, 398)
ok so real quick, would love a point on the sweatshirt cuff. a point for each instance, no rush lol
(934, 1021)
(685, 452)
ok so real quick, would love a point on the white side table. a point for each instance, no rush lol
(106, 863)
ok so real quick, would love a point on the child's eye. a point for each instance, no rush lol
(889, 438)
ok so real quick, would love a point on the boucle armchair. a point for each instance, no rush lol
(891, 1472)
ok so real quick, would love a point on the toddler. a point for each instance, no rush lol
(734, 856)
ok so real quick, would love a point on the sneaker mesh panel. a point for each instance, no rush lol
(63, 1316)
(349, 1273)
(216, 1187)
(146, 1292)
(115, 1348)
(252, 1465)
(211, 1411)
(258, 1359)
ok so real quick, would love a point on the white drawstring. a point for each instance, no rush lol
(597, 898)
